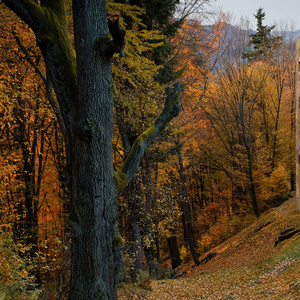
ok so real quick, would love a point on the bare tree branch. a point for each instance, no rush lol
(189, 7)
(49, 88)
(28, 56)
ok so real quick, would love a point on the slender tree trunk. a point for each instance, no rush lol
(27, 137)
(140, 221)
(252, 185)
(274, 146)
(292, 146)
(174, 251)
(186, 207)
(135, 249)
(247, 140)
(134, 242)
(147, 229)
(298, 124)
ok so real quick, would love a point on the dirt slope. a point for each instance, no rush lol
(261, 262)
(280, 226)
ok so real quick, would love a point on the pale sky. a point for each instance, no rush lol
(277, 11)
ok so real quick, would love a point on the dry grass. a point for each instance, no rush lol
(247, 266)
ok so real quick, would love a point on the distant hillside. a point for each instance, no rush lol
(232, 29)
(297, 33)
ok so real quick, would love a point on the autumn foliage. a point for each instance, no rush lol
(224, 161)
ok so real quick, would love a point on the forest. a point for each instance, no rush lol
(135, 139)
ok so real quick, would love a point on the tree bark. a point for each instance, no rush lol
(96, 249)
(147, 218)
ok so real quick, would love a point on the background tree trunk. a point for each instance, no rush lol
(298, 124)
(186, 207)
(174, 251)
(134, 242)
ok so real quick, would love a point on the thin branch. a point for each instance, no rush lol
(48, 84)
(189, 7)
(28, 57)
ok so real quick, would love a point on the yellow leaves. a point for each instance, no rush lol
(23, 249)
(138, 41)
(185, 254)
(131, 11)
(134, 84)
(275, 188)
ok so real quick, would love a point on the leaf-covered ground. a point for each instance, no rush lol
(261, 262)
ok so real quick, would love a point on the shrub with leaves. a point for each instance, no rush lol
(276, 188)
(13, 270)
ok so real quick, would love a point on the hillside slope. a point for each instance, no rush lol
(261, 262)
(280, 226)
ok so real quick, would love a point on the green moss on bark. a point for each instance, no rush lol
(147, 134)
(105, 38)
(120, 179)
(55, 33)
(119, 241)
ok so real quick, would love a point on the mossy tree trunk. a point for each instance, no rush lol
(82, 82)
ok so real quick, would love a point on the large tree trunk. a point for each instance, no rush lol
(83, 90)
(96, 251)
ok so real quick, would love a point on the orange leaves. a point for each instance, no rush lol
(113, 16)
(197, 47)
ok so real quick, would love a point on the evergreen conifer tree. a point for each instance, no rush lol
(263, 41)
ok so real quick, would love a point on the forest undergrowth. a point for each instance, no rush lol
(261, 262)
